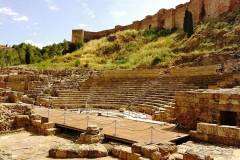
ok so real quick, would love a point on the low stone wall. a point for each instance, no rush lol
(220, 134)
(197, 106)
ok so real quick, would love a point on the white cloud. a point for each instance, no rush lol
(14, 15)
(1, 23)
(8, 11)
(21, 18)
(39, 45)
(82, 25)
(54, 8)
(117, 13)
(88, 11)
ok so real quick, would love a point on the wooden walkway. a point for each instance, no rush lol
(115, 128)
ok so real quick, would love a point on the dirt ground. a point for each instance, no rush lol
(27, 146)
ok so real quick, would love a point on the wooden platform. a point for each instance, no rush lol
(115, 128)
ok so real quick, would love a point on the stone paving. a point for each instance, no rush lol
(218, 152)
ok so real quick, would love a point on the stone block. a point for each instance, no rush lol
(147, 150)
(199, 136)
(207, 128)
(61, 154)
(52, 152)
(228, 131)
(52, 131)
(136, 156)
(97, 150)
(83, 151)
(116, 151)
(36, 123)
(44, 119)
(22, 120)
(72, 153)
(163, 149)
(47, 125)
(35, 117)
(177, 156)
(136, 147)
(16, 85)
(156, 155)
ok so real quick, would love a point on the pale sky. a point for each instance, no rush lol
(44, 22)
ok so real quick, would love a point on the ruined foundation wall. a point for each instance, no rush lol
(194, 107)
(220, 134)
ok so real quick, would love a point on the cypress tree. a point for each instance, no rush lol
(189, 25)
(185, 23)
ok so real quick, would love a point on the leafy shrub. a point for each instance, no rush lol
(156, 60)
(77, 63)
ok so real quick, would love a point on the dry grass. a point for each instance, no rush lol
(130, 49)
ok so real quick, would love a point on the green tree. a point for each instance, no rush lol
(65, 45)
(53, 50)
(21, 55)
(79, 44)
(8, 57)
(185, 21)
(2, 57)
(28, 56)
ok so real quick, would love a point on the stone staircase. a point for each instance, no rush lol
(139, 90)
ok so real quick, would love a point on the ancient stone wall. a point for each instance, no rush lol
(179, 15)
(209, 107)
(220, 134)
(202, 10)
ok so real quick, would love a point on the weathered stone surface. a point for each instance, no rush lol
(125, 153)
(83, 150)
(207, 128)
(199, 136)
(22, 120)
(163, 149)
(136, 147)
(156, 155)
(92, 130)
(136, 156)
(228, 131)
(97, 150)
(44, 119)
(61, 154)
(172, 148)
(177, 156)
(147, 150)
(191, 155)
(116, 151)
(52, 152)
(89, 139)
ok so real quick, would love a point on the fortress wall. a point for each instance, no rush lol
(146, 22)
(234, 4)
(202, 10)
(136, 25)
(127, 27)
(77, 35)
(196, 7)
(169, 20)
(224, 6)
(118, 28)
(211, 7)
(179, 15)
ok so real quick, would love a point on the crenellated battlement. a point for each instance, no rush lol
(202, 10)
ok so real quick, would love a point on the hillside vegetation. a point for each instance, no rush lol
(153, 48)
